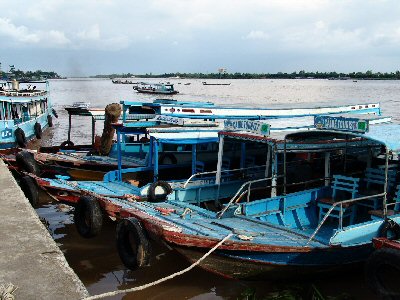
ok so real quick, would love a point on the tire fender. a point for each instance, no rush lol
(38, 130)
(153, 196)
(50, 120)
(67, 144)
(20, 137)
(375, 270)
(133, 245)
(88, 217)
(26, 162)
(390, 229)
(31, 191)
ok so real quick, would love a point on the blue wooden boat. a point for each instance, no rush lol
(171, 155)
(25, 111)
(308, 225)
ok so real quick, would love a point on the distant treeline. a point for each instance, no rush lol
(279, 75)
(29, 75)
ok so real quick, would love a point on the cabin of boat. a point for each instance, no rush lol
(25, 111)
(155, 88)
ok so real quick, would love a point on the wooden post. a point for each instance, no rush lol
(112, 113)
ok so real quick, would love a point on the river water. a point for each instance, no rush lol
(96, 260)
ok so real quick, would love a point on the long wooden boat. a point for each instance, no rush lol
(282, 226)
(208, 110)
(25, 111)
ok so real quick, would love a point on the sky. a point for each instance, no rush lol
(88, 37)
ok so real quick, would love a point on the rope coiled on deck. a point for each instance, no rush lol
(142, 287)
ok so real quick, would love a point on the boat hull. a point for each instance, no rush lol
(258, 266)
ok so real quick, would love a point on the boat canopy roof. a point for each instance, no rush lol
(384, 134)
(186, 138)
(159, 102)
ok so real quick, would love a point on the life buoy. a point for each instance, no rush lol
(389, 229)
(26, 162)
(38, 130)
(54, 113)
(29, 187)
(167, 159)
(50, 120)
(67, 144)
(383, 265)
(20, 137)
(88, 217)
(132, 243)
(153, 193)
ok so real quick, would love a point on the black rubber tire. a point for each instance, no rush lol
(151, 193)
(50, 120)
(390, 229)
(67, 144)
(26, 162)
(54, 113)
(375, 272)
(31, 191)
(137, 255)
(38, 130)
(20, 137)
(88, 217)
(167, 156)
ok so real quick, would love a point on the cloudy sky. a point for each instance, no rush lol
(88, 37)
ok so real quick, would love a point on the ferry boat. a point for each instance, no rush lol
(24, 112)
(155, 88)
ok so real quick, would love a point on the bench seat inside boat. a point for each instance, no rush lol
(295, 210)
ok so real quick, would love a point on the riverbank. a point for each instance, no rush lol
(30, 259)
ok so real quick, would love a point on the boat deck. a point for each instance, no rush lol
(192, 220)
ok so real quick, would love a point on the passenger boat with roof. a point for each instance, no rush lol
(316, 221)
(155, 88)
(25, 111)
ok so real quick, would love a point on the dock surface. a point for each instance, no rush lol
(29, 257)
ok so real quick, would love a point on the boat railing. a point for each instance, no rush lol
(215, 172)
(242, 191)
(340, 203)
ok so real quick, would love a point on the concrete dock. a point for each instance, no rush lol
(29, 257)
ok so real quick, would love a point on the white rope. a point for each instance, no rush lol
(142, 287)
(6, 291)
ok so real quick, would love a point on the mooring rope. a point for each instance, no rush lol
(145, 286)
(7, 291)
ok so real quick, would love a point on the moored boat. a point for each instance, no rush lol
(324, 220)
(208, 110)
(25, 111)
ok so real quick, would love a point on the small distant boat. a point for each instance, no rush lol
(155, 88)
(187, 83)
(123, 81)
(206, 83)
